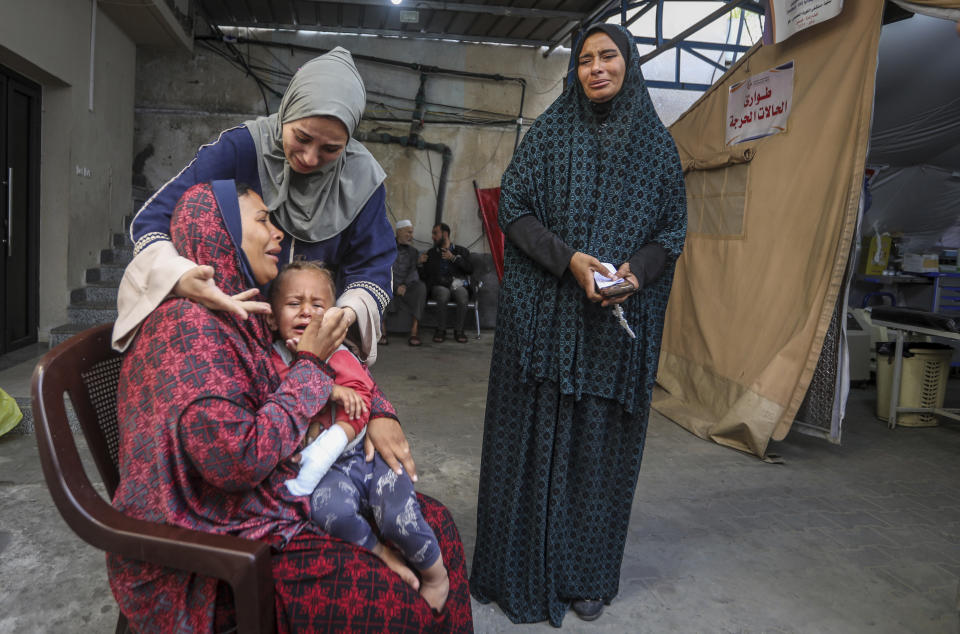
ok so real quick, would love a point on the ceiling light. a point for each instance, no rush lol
(396, 1)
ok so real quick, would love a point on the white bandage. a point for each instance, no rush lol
(316, 459)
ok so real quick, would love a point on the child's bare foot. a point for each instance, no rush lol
(395, 563)
(436, 585)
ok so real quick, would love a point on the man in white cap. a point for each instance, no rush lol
(409, 293)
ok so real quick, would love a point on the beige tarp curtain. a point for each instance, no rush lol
(771, 224)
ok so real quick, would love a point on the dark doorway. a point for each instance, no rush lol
(20, 176)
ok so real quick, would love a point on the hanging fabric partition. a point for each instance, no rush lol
(771, 222)
(946, 9)
(915, 141)
(489, 201)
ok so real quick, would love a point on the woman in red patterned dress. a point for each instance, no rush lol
(207, 430)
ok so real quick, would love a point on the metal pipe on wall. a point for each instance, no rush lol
(415, 141)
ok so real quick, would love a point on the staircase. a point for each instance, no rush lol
(96, 302)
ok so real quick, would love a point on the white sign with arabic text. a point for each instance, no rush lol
(792, 16)
(759, 106)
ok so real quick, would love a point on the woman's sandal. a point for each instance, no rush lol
(439, 335)
(383, 341)
(414, 341)
(588, 609)
(460, 337)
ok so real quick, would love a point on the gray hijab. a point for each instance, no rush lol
(318, 206)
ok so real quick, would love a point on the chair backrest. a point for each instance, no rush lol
(87, 369)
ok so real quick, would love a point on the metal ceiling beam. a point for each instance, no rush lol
(754, 7)
(672, 85)
(453, 17)
(558, 38)
(410, 35)
(708, 46)
(523, 24)
(750, 5)
(493, 9)
(678, 43)
(610, 8)
(639, 14)
(701, 57)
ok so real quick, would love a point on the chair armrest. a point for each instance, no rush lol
(222, 556)
(244, 564)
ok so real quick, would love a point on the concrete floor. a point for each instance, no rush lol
(859, 538)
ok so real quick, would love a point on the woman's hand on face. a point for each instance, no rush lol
(197, 285)
(293, 345)
(624, 273)
(385, 436)
(324, 334)
(582, 266)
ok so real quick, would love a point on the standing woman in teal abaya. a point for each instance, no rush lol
(596, 180)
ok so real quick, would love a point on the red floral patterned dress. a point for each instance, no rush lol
(206, 432)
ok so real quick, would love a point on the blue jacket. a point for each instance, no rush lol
(361, 256)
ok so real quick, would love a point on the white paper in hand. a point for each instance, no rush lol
(603, 282)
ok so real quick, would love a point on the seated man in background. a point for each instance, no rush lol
(446, 268)
(409, 293)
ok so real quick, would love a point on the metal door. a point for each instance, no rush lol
(20, 177)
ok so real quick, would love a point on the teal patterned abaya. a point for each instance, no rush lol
(569, 391)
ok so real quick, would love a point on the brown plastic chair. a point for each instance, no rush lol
(87, 369)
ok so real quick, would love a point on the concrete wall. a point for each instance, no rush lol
(48, 41)
(183, 102)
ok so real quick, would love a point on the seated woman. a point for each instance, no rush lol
(207, 432)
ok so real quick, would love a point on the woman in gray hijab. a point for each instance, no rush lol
(325, 191)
